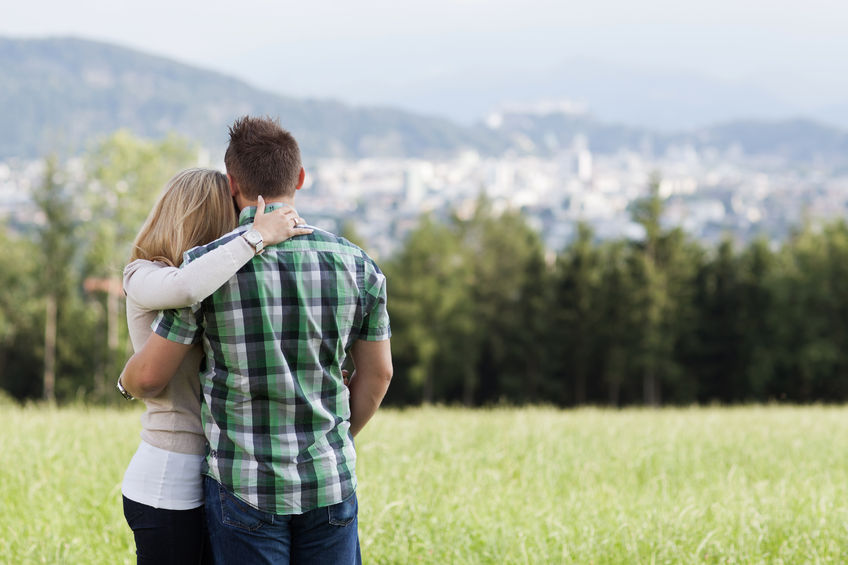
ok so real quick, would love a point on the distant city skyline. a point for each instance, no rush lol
(462, 58)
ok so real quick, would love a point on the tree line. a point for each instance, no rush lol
(63, 332)
(481, 312)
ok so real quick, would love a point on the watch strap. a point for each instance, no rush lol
(124, 392)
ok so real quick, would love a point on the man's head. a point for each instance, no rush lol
(263, 159)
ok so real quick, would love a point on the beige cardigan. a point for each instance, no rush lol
(172, 419)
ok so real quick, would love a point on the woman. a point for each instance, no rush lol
(162, 488)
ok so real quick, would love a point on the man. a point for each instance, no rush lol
(279, 420)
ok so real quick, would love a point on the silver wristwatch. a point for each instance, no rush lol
(254, 238)
(123, 391)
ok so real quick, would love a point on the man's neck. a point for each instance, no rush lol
(243, 203)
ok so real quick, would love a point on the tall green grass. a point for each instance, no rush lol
(438, 485)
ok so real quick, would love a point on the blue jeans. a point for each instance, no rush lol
(163, 537)
(241, 534)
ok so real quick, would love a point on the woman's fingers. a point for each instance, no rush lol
(278, 225)
(291, 214)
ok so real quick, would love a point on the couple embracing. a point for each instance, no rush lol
(241, 317)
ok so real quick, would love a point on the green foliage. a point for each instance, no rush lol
(83, 230)
(576, 326)
(56, 232)
(125, 176)
(348, 231)
(430, 306)
(502, 253)
(663, 268)
(481, 314)
(479, 317)
(757, 319)
(466, 303)
(21, 316)
(813, 330)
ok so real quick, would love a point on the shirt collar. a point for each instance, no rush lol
(249, 212)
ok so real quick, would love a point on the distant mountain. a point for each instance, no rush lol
(657, 99)
(797, 140)
(60, 93)
(792, 141)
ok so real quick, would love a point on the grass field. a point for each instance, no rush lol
(438, 485)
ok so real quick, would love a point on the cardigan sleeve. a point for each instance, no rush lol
(157, 286)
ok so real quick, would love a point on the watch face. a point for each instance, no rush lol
(253, 237)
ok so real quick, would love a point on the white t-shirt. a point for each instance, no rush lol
(164, 479)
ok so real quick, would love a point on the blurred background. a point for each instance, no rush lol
(609, 203)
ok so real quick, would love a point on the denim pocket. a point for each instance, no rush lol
(239, 514)
(343, 513)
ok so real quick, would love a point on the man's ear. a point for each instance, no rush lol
(300, 179)
(234, 187)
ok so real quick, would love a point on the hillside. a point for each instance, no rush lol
(59, 94)
(790, 140)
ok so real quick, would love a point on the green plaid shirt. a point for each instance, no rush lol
(275, 411)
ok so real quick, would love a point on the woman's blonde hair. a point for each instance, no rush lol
(195, 208)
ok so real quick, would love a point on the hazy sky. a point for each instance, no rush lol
(375, 51)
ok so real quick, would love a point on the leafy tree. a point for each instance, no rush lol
(467, 300)
(810, 336)
(57, 245)
(431, 314)
(504, 253)
(125, 176)
(21, 317)
(662, 273)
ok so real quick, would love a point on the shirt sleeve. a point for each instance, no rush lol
(155, 286)
(375, 322)
(181, 326)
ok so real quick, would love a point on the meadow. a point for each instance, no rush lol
(759, 484)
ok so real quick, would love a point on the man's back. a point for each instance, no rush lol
(276, 410)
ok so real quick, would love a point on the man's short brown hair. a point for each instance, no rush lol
(262, 158)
